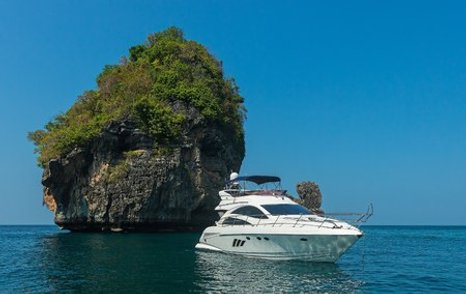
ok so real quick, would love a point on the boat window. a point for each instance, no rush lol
(234, 221)
(250, 211)
(285, 209)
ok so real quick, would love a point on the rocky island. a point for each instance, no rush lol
(150, 147)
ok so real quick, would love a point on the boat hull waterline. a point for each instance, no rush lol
(317, 248)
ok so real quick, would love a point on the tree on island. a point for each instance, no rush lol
(142, 88)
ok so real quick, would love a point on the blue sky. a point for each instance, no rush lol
(367, 98)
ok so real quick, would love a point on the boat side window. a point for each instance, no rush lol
(285, 209)
(250, 211)
(234, 221)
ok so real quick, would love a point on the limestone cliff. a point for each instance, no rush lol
(119, 180)
(150, 147)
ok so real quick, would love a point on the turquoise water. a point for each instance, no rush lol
(37, 259)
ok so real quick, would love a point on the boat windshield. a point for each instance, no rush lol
(285, 209)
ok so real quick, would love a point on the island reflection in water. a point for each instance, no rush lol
(147, 263)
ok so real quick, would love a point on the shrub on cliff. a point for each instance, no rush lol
(142, 88)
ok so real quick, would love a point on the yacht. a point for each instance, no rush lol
(267, 223)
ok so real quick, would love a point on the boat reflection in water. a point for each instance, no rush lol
(219, 272)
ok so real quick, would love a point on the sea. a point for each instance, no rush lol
(388, 259)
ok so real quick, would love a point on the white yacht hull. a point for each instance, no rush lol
(326, 247)
(267, 223)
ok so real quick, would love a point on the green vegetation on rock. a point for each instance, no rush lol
(142, 88)
(119, 170)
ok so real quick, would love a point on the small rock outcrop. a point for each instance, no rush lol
(310, 196)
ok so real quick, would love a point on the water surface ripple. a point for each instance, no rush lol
(38, 259)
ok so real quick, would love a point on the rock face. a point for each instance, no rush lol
(124, 179)
(310, 196)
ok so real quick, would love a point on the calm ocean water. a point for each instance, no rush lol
(388, 259)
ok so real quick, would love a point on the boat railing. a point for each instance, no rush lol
(355, 219)
(255, 221)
